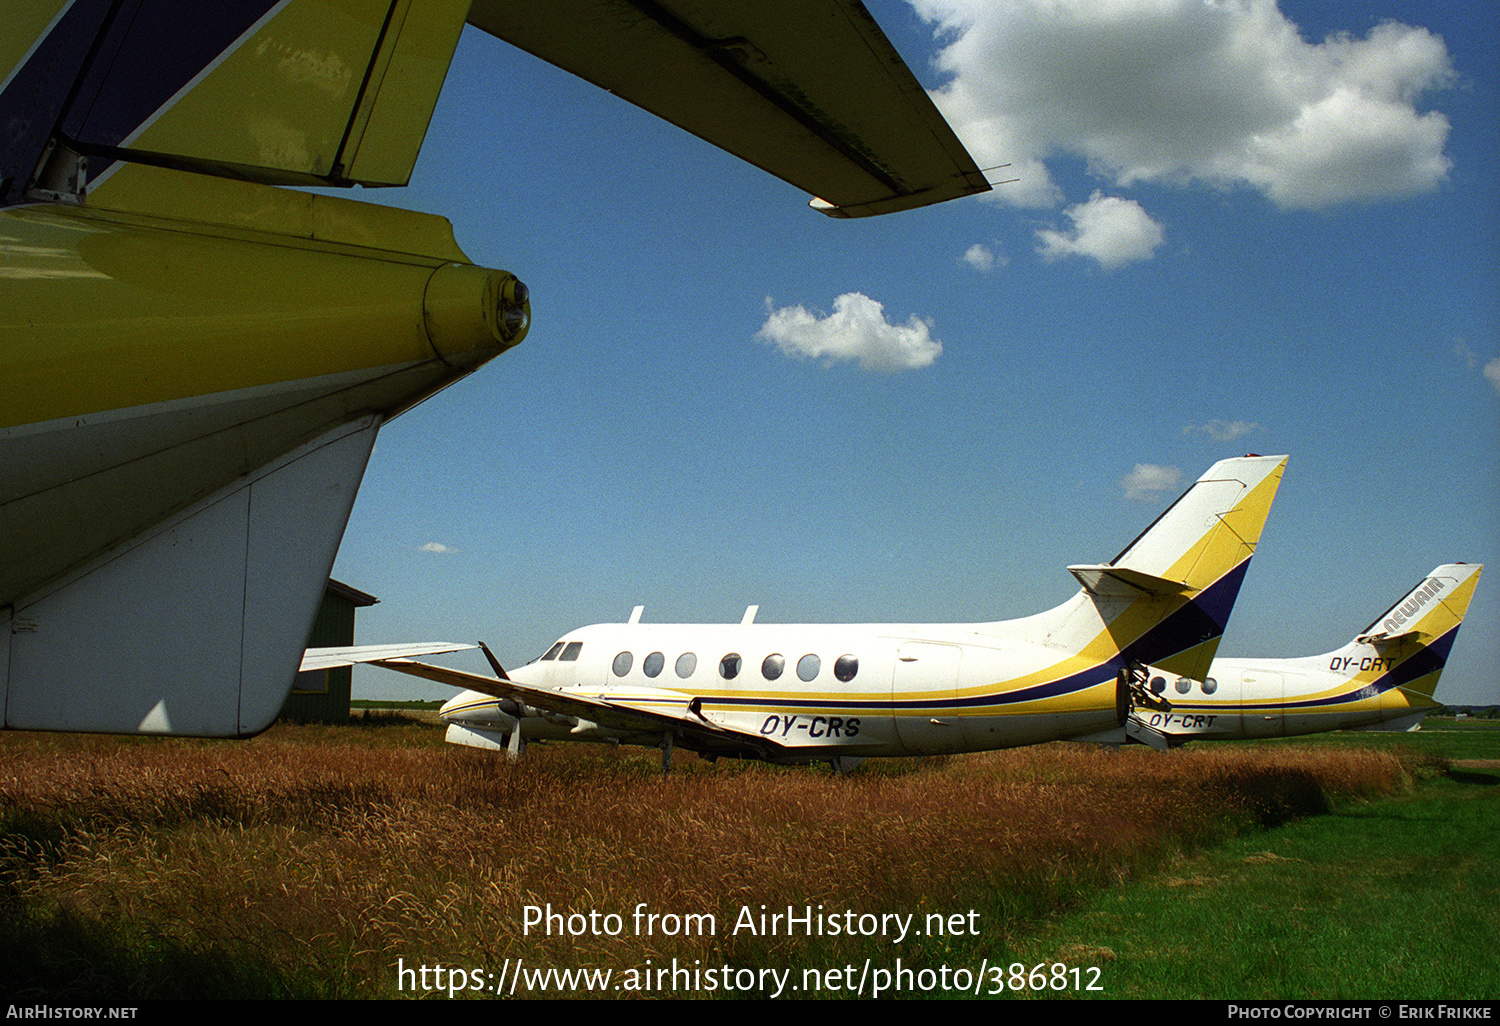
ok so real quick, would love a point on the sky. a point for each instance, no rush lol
(1238, 227)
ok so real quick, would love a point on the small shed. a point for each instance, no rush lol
(322, 696)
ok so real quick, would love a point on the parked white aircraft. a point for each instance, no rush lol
(1381, 680)
(800, 693)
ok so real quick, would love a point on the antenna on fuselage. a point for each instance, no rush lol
(635, 614)
(749, 616)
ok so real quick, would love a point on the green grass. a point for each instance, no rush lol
(1397, 897)
(1440, 738)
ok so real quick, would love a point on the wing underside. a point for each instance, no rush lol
(811, 92)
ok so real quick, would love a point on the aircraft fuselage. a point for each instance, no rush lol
(1270, 698)
(822, 690)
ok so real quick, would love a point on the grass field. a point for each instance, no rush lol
(375, 861)
(1395, 898)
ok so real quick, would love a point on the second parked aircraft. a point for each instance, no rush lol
(1381, 680)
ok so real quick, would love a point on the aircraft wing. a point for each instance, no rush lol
(328, 658)
(648, 712)
(810, 91)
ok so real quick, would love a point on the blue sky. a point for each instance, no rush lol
(1239, 228)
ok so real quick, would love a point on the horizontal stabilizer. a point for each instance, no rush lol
(1381, 638)
(282, 92)
(1103, 580)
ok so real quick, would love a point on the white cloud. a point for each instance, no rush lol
(982, 258)
(1223, 430)
(1470, 359)
(1147, 482)
(1225, 93)
(856, 330)
(1111, 230)
(436, 547)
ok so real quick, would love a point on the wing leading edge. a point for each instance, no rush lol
(639, 711)
(811, 92)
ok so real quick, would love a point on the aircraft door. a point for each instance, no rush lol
(1263, 697)
(926, 671)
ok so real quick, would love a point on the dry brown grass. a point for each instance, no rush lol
(309, 860)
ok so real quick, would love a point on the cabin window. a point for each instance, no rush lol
(846, 667)
(552, 652)
(1210, 685)
(729, 666)
(622, 663)
(1158, 685)
(772, 667)
(570, 654)
(686, 664)
(808, 667)
(652, 664)
(1183, 685)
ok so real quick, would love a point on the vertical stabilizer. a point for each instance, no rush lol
(1412, 639)
(1166, 599)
